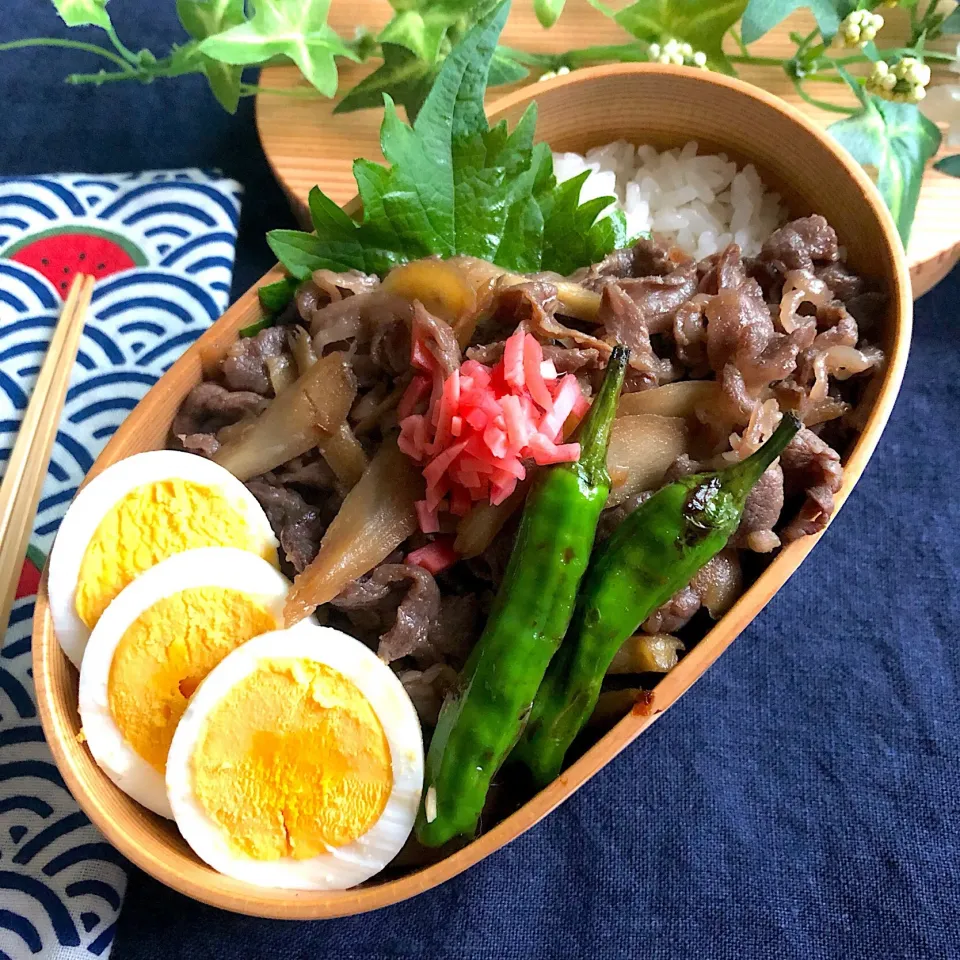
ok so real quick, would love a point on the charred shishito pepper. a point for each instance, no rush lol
(480, 722)
(655, 552)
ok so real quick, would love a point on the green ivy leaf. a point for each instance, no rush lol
(425, 27)
(761, 16)
(293, 28)
(548, 11)
(949, 165)
(205, 18)
(504, 69)
(893, 141)
(421, 32)
(701, 23)
(82, 13)
(402, 75)
(951, 26)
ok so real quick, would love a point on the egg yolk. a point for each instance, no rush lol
(292, 761)
(148, 525)
(165, 653)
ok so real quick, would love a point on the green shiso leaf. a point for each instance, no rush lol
(454, 186)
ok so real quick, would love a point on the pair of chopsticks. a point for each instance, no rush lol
(27, 467)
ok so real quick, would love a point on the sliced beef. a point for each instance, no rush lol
(521, 303)
(722, 271)
(245, 365)
(683, 466)
(715, 587)
(675, 613)
(203, 444)
(761, 513)
(837, 326)
(487, 353)
(375, 324)
(312, 477)
(730, 316)
(572, 359)
(405, 600)
(646, 258)
(844, 284)
(837, 329)
(812, 467)
(491, 565)
(209, 407)
(438, 338)
(742, 342)
(298, 525)
(564, 359)
(612, 518)
(338, 286)
(624, 322)
(457, 629)
(326, 287)
(767, 275)
(659, 298)
(776, 332)
(800, 244)
(690, 333)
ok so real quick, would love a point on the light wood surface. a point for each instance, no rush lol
(665, 105)
(27, 467)
(307, 144)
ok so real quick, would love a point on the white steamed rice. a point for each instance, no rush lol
(700, 202)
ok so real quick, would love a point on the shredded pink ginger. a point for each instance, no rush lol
(435, 556)
(482, 422)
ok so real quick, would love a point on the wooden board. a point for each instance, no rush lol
(307, 144)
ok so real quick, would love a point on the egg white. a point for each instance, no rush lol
(225, 567)
(96, 499)
(339, 867)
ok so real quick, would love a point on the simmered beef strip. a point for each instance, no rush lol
(781, 331)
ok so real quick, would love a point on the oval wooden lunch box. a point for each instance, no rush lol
(642, 103)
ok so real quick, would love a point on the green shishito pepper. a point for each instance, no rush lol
(481, 720)
(654, 553)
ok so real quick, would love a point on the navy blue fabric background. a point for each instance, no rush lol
(802, 801)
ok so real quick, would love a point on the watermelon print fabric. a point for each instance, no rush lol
(161, 246)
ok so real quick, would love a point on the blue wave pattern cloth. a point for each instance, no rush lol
(162, 247)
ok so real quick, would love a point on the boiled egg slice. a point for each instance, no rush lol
(153, 646)
(298, 764)
(133, 515)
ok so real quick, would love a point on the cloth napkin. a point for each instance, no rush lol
(161, 245)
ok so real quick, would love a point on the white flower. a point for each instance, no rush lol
(676, 53)
(860, 27)
(904, 82)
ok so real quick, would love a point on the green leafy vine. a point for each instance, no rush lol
(882, 127)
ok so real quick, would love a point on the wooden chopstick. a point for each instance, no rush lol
(27, 466)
